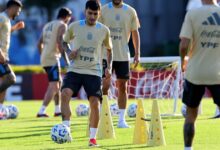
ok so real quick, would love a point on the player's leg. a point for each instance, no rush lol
(122, 102)
(192, 96)
(57, 99)
(66, 95)
(215, 90)
(71, 85)
(52, 89)
(8, 78)
(94, 94)
(122, 73)
(94, 119)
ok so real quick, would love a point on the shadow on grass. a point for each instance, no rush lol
(125, 146)
(24, 136)
(26, 131)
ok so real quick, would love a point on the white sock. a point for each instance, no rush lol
(121, 115)
(67, 123)
(188, 148)
(57, 109)
(100, 109)
(93, 133)
(42, 110)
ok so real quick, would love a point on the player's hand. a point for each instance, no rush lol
(183, 67)
(73, 54)
(108, 73)
(19, 25)
(184, 63)
(136, 60)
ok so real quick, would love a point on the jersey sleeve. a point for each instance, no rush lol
(69, 34)
(135, 24)
(187, 28)
(107, 41)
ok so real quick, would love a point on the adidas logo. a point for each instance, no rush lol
(214, 19)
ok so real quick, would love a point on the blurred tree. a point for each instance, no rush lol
(47, 4)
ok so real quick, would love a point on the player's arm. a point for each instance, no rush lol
(2, 57)
(183, 50)
(18, 26)
(108, 44)
(186, 37)
(40, 44)
(68, 36)
(60, 33)
(69, 53)
(135, 25)
(136, 43)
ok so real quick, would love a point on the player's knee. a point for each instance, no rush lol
(66, 95)
(191, 115)
(94, 102)
(55, 88)
(122, 86)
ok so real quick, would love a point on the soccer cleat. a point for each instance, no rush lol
(42, 115)
(92, 143)
(69, 139)
(123, 124)
(57, 114)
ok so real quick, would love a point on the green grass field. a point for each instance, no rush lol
(31, 133)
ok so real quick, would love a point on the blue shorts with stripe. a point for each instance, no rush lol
(53, 73)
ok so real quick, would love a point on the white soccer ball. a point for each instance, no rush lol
(131, 111)
(13, 111)
(4, 113)
(60, 134)
(82, 110)
(114, 109)
(183, 110)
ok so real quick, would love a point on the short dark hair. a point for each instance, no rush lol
(11, 3)
(64, 12)
(93, 5)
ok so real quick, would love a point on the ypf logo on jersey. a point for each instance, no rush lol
(89, 36)
(214, 19)
(117, 17)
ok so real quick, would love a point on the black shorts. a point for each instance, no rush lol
(53, 73)
(4, 69)
(121, 68)
(192, 94)
(91, 84)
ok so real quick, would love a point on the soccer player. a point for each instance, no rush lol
(88, 37)
(201, 28)
(123, 22)
(50, 47)
(194, 4)
(7, 76)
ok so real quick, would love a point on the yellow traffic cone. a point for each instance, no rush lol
(105, 128)
(156, 134)
(140, 129)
